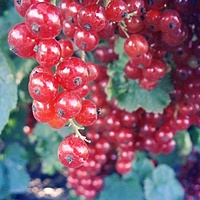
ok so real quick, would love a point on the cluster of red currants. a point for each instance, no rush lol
(154, 31)
(61, 82)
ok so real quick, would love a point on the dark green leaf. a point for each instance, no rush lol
(47, 141)
(163, 185)
(183, 143)
(8, 91)
(116, 188)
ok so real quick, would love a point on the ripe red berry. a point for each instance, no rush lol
(72, 73)
(68, 104)
(156, 70)
(43, 87)
(170, 20)
(135, 45)
(73, 152)
(21, 41)
(88, 113)
(43, 20)
(40, 69)
(85, 40)
(67, 48)
(47, 52)
(43, 112)
(92, 18)
(57, 122)
(116, 10)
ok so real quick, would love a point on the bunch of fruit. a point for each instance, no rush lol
(162, 37)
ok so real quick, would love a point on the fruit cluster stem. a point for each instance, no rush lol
(76, 129)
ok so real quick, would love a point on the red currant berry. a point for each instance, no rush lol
(43, 87)
(43, 20)
(43, 112)
(21, 41)
(170, 21)
(152, 20)
(72, 73)
(40, 69)
(86, 41)
(67, 48)
(88, 113)
(68, 104)
(71, 12)
(92, 70)
(69, 29)
(156, 70)
(116, 10)
(57, 122)
(92, 18)
(47, 52)
(123, 166)
(73, 152)
(135, 45)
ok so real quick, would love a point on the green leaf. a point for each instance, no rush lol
(3, 182)
(142, 167)
(152, 101)
(116, 188)
(18, 178)
(8, 91)
(183, 143)
(47, 141)
(163, 185)
(65, 131)
(119, 46)
(130, 95)
(16, 153)
(15, 162)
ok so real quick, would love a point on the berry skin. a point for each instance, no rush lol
(135, 45)
(73, 152)
(21, 41)
(67, 48)
(68, 104)
(85, 40)
(170, 21)
(156, 70)
(48, 52)
(116, 10)
(43, 87)
(43, 20)
(88, 113)
(72, 73)
(40, 69)
(92, 18)
(93, 71)
(22, 6)
(57, 122)
(43, 112)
